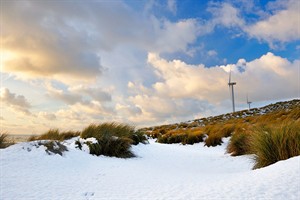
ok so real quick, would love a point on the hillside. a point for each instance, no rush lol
(220, 126)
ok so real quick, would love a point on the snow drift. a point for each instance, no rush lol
(159, 171)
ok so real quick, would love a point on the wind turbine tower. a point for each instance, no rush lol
(248, 102)
(231, 84)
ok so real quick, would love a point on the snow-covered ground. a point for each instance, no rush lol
(159, 171)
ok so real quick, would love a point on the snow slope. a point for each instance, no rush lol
(159, 171)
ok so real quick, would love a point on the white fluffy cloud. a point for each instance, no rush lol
(267, 77)
(282, 26)
(279, 24)
(17, 102)
(226, 15)
(184, 90)
(46, 115)
(50, 40)
(180, 80)
(172, 7)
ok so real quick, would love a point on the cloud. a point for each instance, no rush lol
(159, 110)
(50, 40)
(172, 7)
(226, 15)
(282, 26)
(64, 96)
(173, 37)
(17, 102)
(95, 93)
(180, 80)
(269, 77)
(183, 91)
(128, 110)
(212, 53)
(46, 115)
(279, 26)
(77, 94)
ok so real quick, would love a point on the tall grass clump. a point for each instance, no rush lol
(114, 129)
(113, 147)
(239, 144)
(272, 144)
(216, 132)
(113, 139)
(3, 140)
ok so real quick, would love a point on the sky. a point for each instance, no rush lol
(67, 64)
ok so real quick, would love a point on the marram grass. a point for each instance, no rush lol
(113, 139)
(272, 144)
(3, 140)
(55, 134)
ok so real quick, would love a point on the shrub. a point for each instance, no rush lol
(271, 144)
(54, 134)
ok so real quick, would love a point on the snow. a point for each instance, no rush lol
(160, 171)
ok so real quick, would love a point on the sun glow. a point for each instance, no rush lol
(5, 56)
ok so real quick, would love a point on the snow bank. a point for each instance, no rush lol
(161, 171)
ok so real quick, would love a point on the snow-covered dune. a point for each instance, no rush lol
(159, 171)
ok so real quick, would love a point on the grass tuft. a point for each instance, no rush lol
(272, 144)
(114, 129)
(239, 144)
(213, 140)
(113, 139)
(55, 134)
(113, 147)
(4, 141)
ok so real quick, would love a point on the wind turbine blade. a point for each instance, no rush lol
(229, 81)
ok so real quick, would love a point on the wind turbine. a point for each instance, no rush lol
(248, 102)
(231, 84)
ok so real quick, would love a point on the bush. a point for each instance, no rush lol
(54, 134)
(272, 144)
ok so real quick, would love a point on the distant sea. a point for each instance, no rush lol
(18, 138)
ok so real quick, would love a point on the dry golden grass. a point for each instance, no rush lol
(55, 134)
(272, 144)
(4, 141)
(113, 139)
